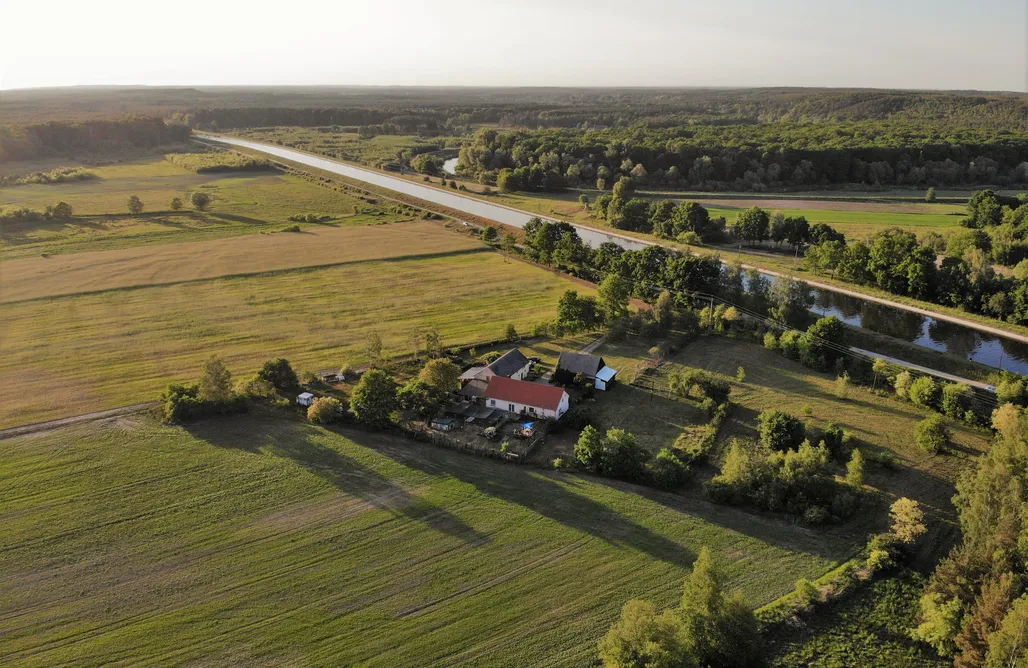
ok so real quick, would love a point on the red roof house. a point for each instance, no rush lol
(519, 396)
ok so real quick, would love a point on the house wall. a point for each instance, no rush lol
(539, 412)
(522, 372)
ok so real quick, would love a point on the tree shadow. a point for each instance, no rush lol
(538, 492)
(290, 440)
(235, 218)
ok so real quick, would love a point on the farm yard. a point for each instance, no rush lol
(268, 541)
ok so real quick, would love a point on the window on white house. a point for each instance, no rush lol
(492, 402)
(531, 409)
(511, 408)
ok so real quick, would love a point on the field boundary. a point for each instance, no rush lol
(12, 432)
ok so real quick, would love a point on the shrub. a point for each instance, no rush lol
(280, 374)
(770, 341)
(325, 410)
(176, 203)
(816, 515)
(956, 400)
(200, 200)
(902, 384)
(932, 434)
(835, 439)
(855, 469)
(780, 430)
(924, 392)
(789, 343)
(559, 463)
(667, 471)
(806, 592)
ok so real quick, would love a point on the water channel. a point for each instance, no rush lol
(952, 338)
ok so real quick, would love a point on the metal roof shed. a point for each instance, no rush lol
(604, 377)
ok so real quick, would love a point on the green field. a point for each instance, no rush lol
(118, 347)
(243, 203)
(868, 627)
(375, 151)
(256, 541)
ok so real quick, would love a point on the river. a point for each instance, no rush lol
(960, 340)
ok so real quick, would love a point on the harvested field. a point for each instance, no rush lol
(192, 261)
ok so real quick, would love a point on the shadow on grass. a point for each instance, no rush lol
(290, 440)
(235, 218)
(535, 491)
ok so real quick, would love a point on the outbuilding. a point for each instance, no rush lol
(444, 424)
(604, 378)
(592, 368)
(305, 399)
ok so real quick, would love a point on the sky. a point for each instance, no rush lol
(925, 44)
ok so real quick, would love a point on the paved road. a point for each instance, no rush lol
(924, 369)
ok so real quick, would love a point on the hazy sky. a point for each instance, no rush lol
(874, 43)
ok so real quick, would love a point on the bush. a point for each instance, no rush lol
(559, 463)
(280, 374)
(902, 384)
(667, 471)
(325, 410)
(924, 392)
(932, 434)
(770, 341)
(780, 430)
(816, 515)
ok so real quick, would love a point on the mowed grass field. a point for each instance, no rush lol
(68, 355)
(260, 542)
(243, 203)
(193, 261)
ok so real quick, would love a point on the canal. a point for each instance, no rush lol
(955, 339)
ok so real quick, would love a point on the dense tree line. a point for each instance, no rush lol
(646, 271)
(28, 142)
(975, 607)
(749, 157)
(379, 121)
(896, 261)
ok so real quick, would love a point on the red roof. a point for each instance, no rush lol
(524, 392)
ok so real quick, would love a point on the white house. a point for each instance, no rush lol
(305, 399)
(533, 399)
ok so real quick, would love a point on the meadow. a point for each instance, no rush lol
(243, 203)
(374, 151)
(317, 246)
(856, 220)
(67, 355)
(269, 541)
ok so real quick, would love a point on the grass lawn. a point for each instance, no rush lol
(68, 355)
(258, 541)
(244, 203)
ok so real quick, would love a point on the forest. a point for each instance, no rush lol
(756, 158)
